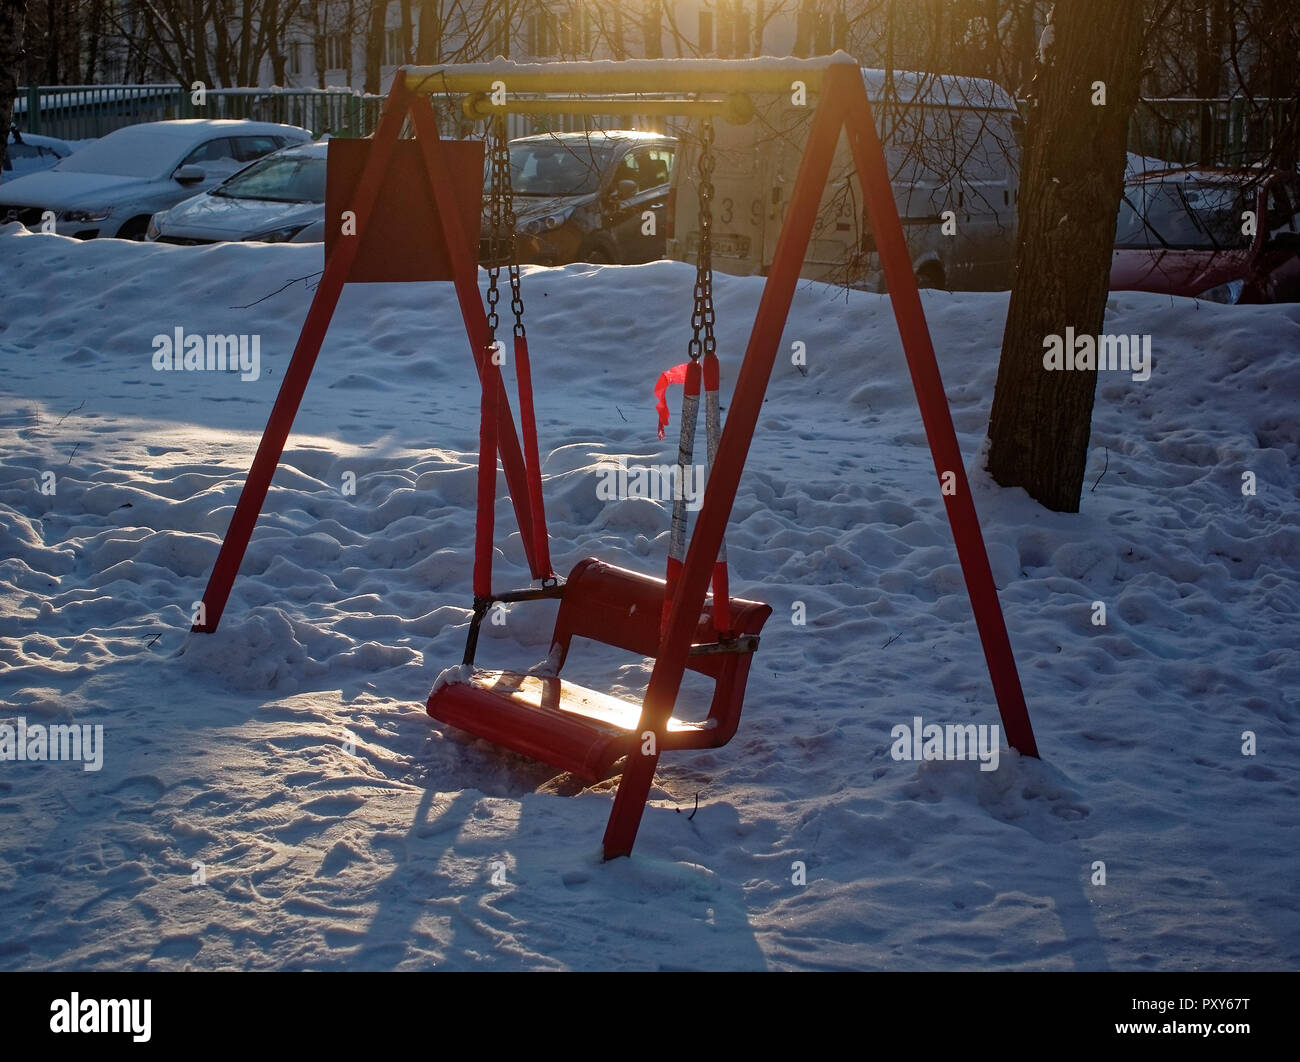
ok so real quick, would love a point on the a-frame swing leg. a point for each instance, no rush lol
(724, 478)
(271, 447)
(843, 102)
(294, 384)
(936, 417)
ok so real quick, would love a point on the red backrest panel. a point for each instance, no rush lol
(623, 608)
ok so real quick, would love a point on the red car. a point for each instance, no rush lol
(1230, 236)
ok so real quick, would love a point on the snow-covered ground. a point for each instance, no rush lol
(275, 795)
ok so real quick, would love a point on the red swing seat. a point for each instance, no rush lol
(584, 731)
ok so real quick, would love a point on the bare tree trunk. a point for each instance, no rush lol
(1073, 179)
(348, 59)
(94, 31)
(617, 43)
(805, 26)
(429, 48)
(221, 19)
(375, 43)
(51, 43)
(408, 40)
(1283, 42)
(1211, 21)
(1023, 61)
(13, 16)
(652, 29)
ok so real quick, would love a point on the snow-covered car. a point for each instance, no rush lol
(115, 185)
(1230, 236)
(30, 153)
(272, 201)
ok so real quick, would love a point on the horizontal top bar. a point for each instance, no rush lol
(762, 74)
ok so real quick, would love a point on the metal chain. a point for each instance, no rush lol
(502, 246)
(495, 219)
(702, 341)
(508, 218)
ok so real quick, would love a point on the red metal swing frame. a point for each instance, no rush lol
(842, 106)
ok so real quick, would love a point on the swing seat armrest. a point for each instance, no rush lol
(509, 597)
(747, 643)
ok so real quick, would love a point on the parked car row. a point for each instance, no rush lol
(1230, 236)
(113, 186)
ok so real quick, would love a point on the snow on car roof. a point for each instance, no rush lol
(940, 90)
(187, 127)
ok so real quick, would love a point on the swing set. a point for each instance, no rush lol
(402, 210)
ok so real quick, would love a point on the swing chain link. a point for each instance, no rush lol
(508, 218)
(702, 340)
(495, 219)
(502, 244)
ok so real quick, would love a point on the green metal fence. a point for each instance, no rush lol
(78, 112)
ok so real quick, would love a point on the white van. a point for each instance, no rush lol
(951, 144)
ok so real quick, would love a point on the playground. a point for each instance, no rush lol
(301, 781)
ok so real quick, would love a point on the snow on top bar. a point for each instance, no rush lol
(764, 73)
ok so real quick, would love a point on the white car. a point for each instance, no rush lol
(272, 201)
(115, 185)
(29, 153)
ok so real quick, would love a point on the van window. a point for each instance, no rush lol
(654, 167)
(250, 148)
(219, 150)
(628, 170)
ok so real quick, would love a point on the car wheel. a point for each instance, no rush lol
(599, 252)
(929, 276)
(133, 229)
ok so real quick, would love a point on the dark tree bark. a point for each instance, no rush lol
(804, 28)
(1073, 177)
(348, 58)
(617, 43)
(1210, 32)
(652, 29)
(13, 16)
(429, 46)
(408, 38)
(378, 24)
(52, 25)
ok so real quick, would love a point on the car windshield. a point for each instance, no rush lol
(1182, 216)
(557, 167)
(129, 153)
(280, 179)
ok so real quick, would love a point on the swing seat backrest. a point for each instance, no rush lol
(622, 608)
